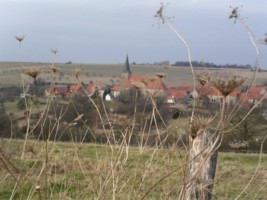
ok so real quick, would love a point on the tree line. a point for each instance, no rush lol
(211, 65)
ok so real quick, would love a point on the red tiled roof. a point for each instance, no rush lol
(170, 87)
(58, 90)
(62, 90)
(91, 88)
(187, 87)
(257, 89)
(207, 90)
(75, 88)
(176, 94)
(116, 88)
(235, 93)
(149, 82)
(255, 93)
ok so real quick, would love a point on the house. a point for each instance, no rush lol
(191, 91)
(58, 92)
(76, 89)
(108, 97)
(233, 97)
(253, 96)
(175, 95)
(187, 87)
(116, 90)
(215, 96)
(209, 92)
(91, 89)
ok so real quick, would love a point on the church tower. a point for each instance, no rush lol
(126, 72)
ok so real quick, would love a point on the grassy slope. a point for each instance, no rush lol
(86, 171)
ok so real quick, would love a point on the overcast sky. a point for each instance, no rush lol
(103, 31)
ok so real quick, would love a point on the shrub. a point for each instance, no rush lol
(5, 125)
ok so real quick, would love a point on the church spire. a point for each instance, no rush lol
(126, 68)
(126, 72)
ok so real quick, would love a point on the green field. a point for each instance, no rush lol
(90, 171)
(10, 73)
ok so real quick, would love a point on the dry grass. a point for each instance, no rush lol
(84, 171)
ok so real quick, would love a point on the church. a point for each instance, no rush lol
(147, 83)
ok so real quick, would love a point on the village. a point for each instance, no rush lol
(154, 84)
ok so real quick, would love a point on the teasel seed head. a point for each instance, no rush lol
(53, 69)
(198, 125)
(77, 73)
(227, 86)
(161, 75)
(203, 78)
(139, 85)
(234, 13)
(54, 51)
(159, 13)
(20, 37)
(34, 73)
(264, 40)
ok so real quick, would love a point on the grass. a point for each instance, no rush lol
(11, 107)
(83, 171)
(235, 171)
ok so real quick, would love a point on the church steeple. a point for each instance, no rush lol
(126, 72)
(126, 67)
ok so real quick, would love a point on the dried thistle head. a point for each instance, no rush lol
(20, 37)
(159, 13)
(264, 40)
(234, 13)
(53, 69)
(77, 73)
(139, 85)
(34, 73)
(198, 125)
(54, 51)
(127, 125)
(161, 75)
(160, 16)
(227, 86)
(203, 78)
(152, 78)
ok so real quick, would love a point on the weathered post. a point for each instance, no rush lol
(202, 165)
